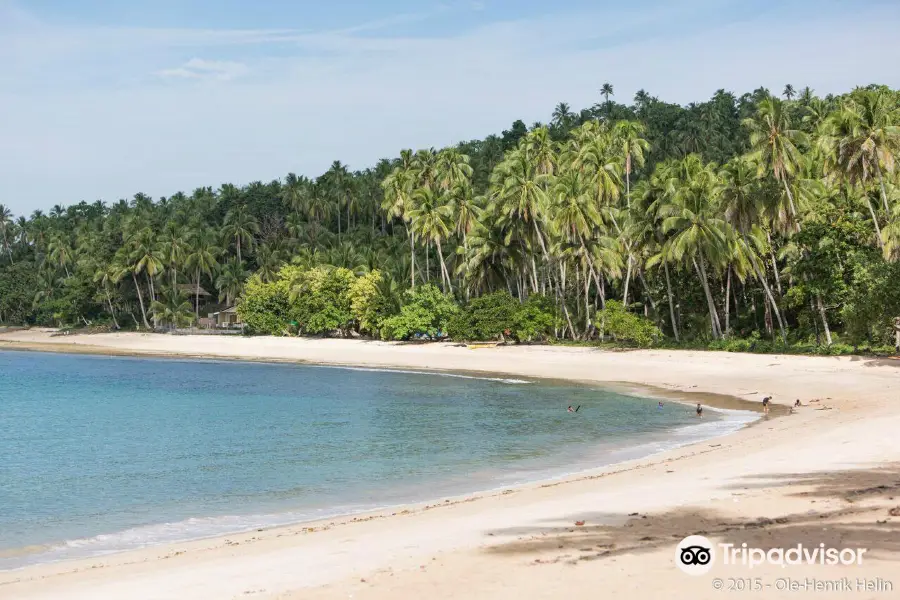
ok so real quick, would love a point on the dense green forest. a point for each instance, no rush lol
(749, 222)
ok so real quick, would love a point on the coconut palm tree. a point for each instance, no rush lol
(696, 233)
(563, 118)
(242, 227)
(230, 281)
(173, 246)
(742, 202)
(268, 260)
(432, 215)
(6, 224)
(606, 91)
(630, 137)
(172, 308)
(775, 144)
(295, 192)
(788, 92)
(203, 259)
(60, 251)
(107, 275)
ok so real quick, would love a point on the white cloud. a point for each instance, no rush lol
(198, 68)
(105, 113)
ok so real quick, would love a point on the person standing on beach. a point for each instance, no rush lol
(766, 401)
(699, 410)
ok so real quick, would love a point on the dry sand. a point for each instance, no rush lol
(829, 473)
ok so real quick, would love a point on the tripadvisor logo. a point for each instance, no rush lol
(695, 555)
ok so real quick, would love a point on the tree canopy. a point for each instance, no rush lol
(758, 217)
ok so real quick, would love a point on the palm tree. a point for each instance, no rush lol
(562, 118)
(872, 137)
(269, 261)
(242, 226)
(173, 246)
(606, 91)
(630, 135)
(789, 92)
(775, 145)
(6, 224)
(145, 257)
(432, 215)
(696, 234)
(172, 308)
(295, 192)
(743, 210)
(59, 250)
(202, 258)
(231, 280)
(398, 189)
(107, 275)
(338, 180)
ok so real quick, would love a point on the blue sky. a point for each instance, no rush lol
(105, 98)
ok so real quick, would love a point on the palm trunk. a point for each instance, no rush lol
(587, 304)
(112, 312)
(628, 179)
(713, 314)
(627, 281)
(562, 279)
(824, 317)
(239, 248)
(445, 275)
(728, 302)
(875, 222)
(671, 301)
(762, 279)
(140, 300)
(790, 196)
(197, 296)
(412, 254)
(774, 262)
(884, 202)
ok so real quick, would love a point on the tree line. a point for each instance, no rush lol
(736, 222)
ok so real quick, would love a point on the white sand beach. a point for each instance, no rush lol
(828, 473)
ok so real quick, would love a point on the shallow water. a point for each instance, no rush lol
(101, 454)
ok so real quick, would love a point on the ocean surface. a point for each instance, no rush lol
(103, 454)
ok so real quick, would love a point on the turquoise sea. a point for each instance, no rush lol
(103, 454)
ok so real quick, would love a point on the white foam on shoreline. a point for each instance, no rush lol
(210, 527)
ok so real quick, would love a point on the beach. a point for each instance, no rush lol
(827, 474)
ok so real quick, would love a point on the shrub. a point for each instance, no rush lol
(624, 326)
(487, 317)
(320, 298)
(368, 303)
(535, 319)
(426, 311)
(264, 307)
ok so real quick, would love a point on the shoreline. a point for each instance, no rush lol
(426, 547)
(736, 415)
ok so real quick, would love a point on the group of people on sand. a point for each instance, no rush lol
(766, 401)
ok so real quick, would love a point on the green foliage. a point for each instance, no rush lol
(17, 286)
(487, 317)
(264, 307)
(776, 220)
(535, 320)
(872, 303)
(627, 327)
(426, 312)
(499, 315)
(320, 298)
(368, 302)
